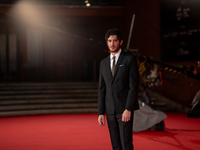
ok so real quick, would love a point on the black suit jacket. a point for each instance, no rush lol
(115, 94)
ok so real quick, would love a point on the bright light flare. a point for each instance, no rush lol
(88, 4)
(29, 12)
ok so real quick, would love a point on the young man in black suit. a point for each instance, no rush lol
(118, 91)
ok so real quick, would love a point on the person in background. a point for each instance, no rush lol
(118, 91)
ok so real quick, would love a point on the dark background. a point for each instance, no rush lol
(180, 34)
(61, 42)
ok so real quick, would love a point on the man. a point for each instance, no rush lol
(118, 90)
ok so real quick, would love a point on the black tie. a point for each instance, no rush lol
(113, 66)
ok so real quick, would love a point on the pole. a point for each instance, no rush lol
(130, 32)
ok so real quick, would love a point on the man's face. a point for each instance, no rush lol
(114, 44)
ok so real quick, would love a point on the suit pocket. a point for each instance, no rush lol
(123, 68)
(122, 65)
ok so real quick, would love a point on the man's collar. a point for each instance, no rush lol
(117, 55)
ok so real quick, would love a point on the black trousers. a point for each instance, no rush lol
(121, 133)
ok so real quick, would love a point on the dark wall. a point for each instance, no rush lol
(146, 37)
(180, 30)
(71, 54)
(146, 29)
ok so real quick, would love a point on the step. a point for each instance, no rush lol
(46, 84)
(48, 96)
(62, 91)
(47, 101)
(47, 106)
(48, 111)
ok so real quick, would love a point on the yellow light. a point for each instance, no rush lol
(179, 72)
(88, 4)
(170, 69)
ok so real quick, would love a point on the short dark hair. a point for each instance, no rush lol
(114, 31)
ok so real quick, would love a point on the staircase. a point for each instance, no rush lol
(18, 99)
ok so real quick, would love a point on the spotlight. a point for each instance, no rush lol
(88, 4)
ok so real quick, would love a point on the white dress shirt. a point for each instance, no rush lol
(116, 58)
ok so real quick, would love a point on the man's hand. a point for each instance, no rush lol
(101, 120)
(126, 116)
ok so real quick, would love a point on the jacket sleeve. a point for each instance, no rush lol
(132, 98)
(101, 93)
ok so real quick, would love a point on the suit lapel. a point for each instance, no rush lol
(108, 69)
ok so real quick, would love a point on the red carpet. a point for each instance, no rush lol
(82, 132)
(181, 133)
